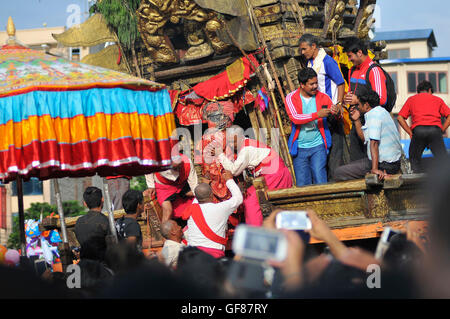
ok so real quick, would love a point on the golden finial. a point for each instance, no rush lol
(11, 29)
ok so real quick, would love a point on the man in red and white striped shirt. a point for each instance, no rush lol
(357, 53)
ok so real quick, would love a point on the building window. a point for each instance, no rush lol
(75, 54)
(437, 79)
(395, 80)
(398, 54)
(31, 187)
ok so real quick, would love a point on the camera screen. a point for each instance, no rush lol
(264, 243)
(294, 221)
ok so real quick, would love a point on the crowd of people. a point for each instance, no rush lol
(194, 261)
(187, 268)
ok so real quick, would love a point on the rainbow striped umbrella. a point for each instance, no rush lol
(60, 118)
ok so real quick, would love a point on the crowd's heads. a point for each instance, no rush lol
(367, 98)
(123, 257)
(401, 255)
(199, 268)
(203, 193)
(309, 44)
(425, 86)
(132, 201)
(438, 190)
(308, 81)
(436, 273)
(93, 197)
(356, 50)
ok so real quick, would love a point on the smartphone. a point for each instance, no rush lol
(259, 243)
(40, 266)
(384, 241)
(293, 220)
(324, 106)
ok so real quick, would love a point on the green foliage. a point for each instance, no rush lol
(138, 183)
(70, 208)
(121, 17)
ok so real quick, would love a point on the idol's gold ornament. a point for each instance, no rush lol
(200, 29)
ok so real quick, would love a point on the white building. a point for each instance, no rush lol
(410, 61)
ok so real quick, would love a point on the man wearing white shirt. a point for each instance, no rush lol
(207, 221)
(173, 244)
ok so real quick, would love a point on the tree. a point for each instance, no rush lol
(138, 183)
(120, 16)
(70, 208)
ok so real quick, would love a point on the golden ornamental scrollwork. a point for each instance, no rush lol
(200, 26)
(367, 21)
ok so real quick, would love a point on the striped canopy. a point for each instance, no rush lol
(60, 118)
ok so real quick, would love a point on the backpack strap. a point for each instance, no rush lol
(199, 220)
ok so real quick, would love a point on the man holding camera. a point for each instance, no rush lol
(310, 138)
(207, 220)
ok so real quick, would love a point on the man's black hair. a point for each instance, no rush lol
(354, 44)
(306, 74)
(310, 39)
(424, 86)
(368, 96)
(131, 199)
(92, 196)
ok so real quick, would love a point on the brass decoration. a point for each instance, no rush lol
(334, 18)
(199, 24)
(378, 205)
(10, 28)
(366, 22)
(211, 29)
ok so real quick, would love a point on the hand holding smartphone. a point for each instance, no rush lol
(293, 220)
(259, 243)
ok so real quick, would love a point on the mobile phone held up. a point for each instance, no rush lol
(324, 106)
(259, 243)
(293, 220)
(384, 242)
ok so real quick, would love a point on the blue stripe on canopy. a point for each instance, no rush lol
(69, 104)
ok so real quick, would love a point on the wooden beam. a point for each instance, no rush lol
(330, 188)
(179, 72)
(373, 230)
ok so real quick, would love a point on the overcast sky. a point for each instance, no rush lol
(391, 15)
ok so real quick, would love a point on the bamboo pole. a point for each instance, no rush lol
(60, 211)
(23, 242)
(112, 227)
(284, 146)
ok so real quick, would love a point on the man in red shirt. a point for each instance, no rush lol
(426, 130)
(357, 53)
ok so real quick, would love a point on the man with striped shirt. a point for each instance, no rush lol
(357, 53)
(380, 137)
